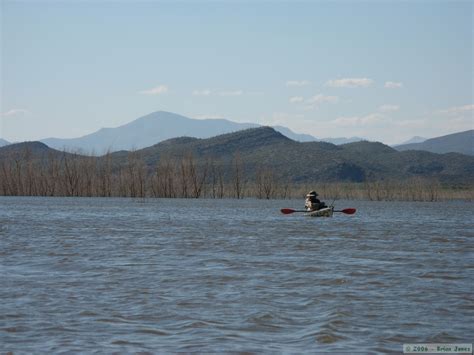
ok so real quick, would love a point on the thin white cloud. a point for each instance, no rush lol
(15, 112)
(350, 83)
(231, 93)
(320, 98)
(393, 85)
(298, 82)
(202, 117)
(368, 120)
(209, 92)
(389, 108)
(205, 92)
(296, 99)
(456, 110)
(308, 107)
(281, 118)
(157, 90)
(461, 121)
(418, 123)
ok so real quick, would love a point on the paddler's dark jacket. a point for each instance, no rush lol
(313, 203)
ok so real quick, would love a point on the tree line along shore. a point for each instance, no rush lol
(74, 175)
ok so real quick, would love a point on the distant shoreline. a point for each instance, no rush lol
(259, 163)
(415, 191)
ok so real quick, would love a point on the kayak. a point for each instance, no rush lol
(323, 212)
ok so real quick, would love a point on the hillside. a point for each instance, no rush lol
(341, 140)
(152, 129)
(33, 149)
(146, 131)
(462, 142)
(159, 126)
(414, 139)
(3, 142)
(264, 149)
(299, 137)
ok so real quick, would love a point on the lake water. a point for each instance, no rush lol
(106, 275)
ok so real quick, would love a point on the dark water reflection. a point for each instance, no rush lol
(201, 275)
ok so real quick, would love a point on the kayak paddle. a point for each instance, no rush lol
(347, 210)
(289, 211)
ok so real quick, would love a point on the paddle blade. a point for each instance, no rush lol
(349, 210)
(287, 210)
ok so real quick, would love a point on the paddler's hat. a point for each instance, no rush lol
(312, 193)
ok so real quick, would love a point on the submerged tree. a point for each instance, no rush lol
(237, 179)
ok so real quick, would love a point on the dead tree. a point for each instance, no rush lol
(184, 178)
(265, 183)
(197, 175)
(237, 181)
(70, 174)
(104, 185)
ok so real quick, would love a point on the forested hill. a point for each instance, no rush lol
(461, 142)
(264, 149)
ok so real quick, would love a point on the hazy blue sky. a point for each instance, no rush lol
(383, 70)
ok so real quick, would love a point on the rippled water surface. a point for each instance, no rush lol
(128, 275)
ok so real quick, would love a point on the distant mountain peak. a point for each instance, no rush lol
(264, 132)
(366, 147)
(147, 131)
(300, 137)
(342, 140)
(178, 140)
(29, 145)
(460, 142)
(158, 126)
(24, 149)
(162, 115)
(415, 139)
(263, 148)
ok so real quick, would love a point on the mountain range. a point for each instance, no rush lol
(414, 139)
(461, 142)
(159, 126)
(314, 161)
(3, 142)
(296, 162)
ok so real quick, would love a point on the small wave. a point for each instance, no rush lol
(469, 307)
(262, 318)
(17, 329)
(333, 282)
(440, 240)
(328, 337)
(125, 342)
(431, 275)
(401, 338)
(10, 316)
(60, 329)
(310, 269)
(113, 320)
(365, 273)
(262, 321)
(152, 331)
(87, 314)
(444, 337)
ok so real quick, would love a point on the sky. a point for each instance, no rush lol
(381, 70)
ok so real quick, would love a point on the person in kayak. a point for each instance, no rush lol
(312, 203)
